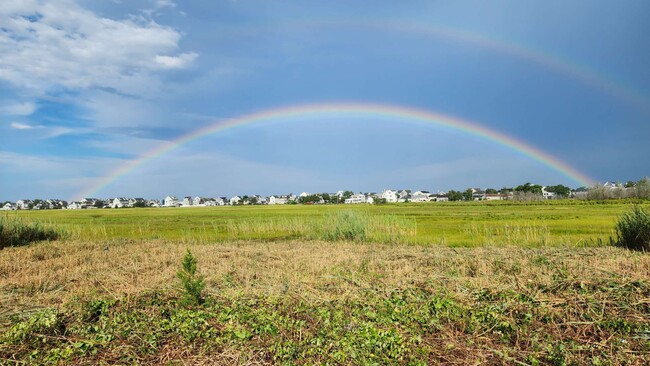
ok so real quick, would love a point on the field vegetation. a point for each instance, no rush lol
(525, 284)
(456, 224)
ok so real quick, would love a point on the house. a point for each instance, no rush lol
(201, 201)
(278, 200)
(389, 195)
(261, 200)
(356, 198)
(441, 197)
(404, 194)
(76, 205)
(421, 196)
(220, 201)
(187, 201)
(24, 204)
(120, 202)
(137, 202)
(547, 195)
(55, 204)
(170, 201)
(8, 206)
(153, 203)
(494, 197)
(235, 201)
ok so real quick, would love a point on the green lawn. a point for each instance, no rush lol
(451, 224)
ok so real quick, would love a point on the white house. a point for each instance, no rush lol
(389, 195)
(170, 201)
(277, 200)
(201, 201)
(75, 205)
(8, 206)
(421, 196)
(136, 202)
(187, 201)
(153, 203)
(220, 201)
(235, 200)
(356, 198)
(442, 197)
(494, 197)
(547, 195)
(23, 204)
(120, 202)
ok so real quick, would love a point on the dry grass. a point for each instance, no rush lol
(51, 274)
(576, 297)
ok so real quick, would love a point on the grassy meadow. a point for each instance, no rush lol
(412, 284)
(450, 224)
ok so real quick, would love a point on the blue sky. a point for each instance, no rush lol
(88, 86)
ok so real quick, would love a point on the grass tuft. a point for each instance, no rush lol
(633, 230)
(16, 232)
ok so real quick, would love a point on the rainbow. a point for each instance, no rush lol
(542, 58)
(347, 110)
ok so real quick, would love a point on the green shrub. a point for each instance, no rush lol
(633, 230)
(15, 231)
(192, 283)
(345, 225)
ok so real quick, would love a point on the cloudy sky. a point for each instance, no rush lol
(88, 88)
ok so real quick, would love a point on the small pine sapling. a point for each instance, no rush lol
(192, 283)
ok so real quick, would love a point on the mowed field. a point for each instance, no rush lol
(467, 283)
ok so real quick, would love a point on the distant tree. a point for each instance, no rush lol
(310, 199)
(630, 184)
(347, 194)
(454, 195)
(491, 191)
(379, 201)
(505, 190)
(139, 204)
(100, 204)
(529, 188)
(642, 188)
(326, 197)
(468, 194)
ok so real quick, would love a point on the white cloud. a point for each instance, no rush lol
(19, 109)
(47, 131)
(21, 126)
(54, 44)
(176, 62)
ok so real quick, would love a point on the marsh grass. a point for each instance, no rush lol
(633, 230)
(555, 223)
(15, 231)
(530, 234)
(355, 226)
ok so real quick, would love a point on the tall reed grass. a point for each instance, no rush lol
(15, 232)
(633, 230)
(339, 226)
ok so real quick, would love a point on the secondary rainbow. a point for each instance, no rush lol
(534, 55)
(311, 112)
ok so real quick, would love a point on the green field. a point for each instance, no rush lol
(452, 224)
(407, 284)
